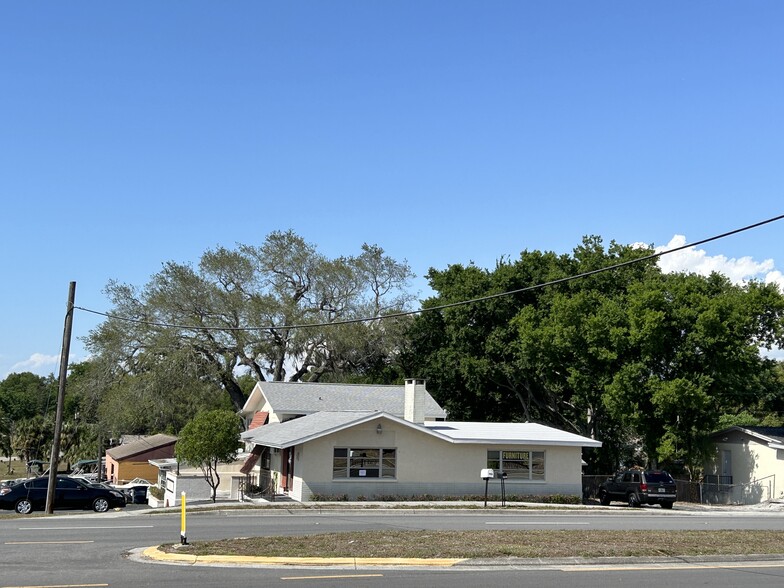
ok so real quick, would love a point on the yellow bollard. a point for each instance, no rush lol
(183, 537)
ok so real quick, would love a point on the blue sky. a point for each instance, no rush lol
(136, 133)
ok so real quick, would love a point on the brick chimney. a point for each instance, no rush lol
(414, 407)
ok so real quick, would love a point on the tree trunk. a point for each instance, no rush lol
(235, 392)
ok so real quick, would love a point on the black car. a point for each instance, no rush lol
(30, 495)
(638, 487)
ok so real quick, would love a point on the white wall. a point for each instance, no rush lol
(426, 465)
(750, 461)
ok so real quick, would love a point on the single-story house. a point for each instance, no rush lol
(132, 460)
(747, 465)
(381, 441)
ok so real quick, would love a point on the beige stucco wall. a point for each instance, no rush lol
(426, 465)
(750, 461)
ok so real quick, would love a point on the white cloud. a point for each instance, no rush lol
(740, 270)
(37, 363)
(775, 277)
(697, 261)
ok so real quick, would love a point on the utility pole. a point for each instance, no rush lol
(54, 462)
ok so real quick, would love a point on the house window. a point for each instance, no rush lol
(349, 462)
(518, 465)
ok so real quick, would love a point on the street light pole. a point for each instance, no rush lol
(54, 461)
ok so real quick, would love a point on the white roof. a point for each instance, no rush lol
(506, 433)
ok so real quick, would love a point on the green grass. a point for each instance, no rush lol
(17, 469)
(498, 544)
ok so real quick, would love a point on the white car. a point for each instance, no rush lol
(135, 490)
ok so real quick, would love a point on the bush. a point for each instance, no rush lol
(537, 499)
(156, 492)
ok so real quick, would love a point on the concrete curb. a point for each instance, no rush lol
(579, 562)
(155, 554)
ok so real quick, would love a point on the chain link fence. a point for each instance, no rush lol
(711, 490)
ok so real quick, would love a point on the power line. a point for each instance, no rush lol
(441, 306)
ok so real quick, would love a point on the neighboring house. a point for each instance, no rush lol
(384, 441)
(132, 460)
(175, 478)
(747, 465)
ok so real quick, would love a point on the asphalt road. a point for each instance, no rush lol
(89, 549)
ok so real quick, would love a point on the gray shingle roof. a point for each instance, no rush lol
(305, 428)
(316, 425)
(311, 397)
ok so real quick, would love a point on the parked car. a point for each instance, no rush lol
(30, 495)
(638, 487)
(135, 490)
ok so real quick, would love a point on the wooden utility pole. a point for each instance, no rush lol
(54, 462)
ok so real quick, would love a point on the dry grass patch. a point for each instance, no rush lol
(495, 544)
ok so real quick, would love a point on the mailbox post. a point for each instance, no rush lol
(486, 474)
(503, 476)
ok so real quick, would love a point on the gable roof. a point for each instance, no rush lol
(320, 424)
(310, 397)
(772, 433)
(141, 446)
(771, 436)
(307, 428)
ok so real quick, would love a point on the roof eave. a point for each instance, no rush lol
(588, 443)
(354, 423)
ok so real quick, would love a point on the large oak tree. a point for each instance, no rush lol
(281, 311)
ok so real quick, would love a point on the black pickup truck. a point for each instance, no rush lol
(638, 487)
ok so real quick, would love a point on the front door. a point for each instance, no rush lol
(726, 466)
(287, 469)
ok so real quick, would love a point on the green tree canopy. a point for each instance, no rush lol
(211, 438)
(25, 395)
(235, 311)
(635, 358)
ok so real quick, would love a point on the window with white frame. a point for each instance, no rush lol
(359, 462)
(518, 465)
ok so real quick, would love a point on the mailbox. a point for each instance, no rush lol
(486, 474)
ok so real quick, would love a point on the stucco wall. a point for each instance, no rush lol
(750, 461)
(426, 465)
